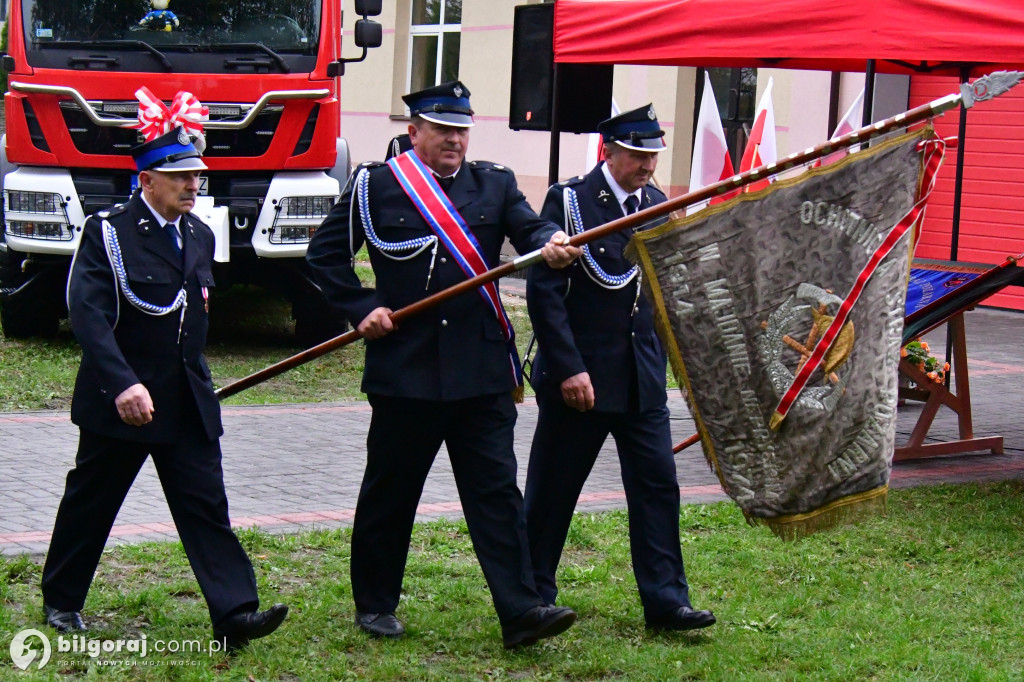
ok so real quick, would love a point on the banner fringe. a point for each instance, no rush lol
(844, 511)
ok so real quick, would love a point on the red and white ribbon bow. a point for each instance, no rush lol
(156, 119)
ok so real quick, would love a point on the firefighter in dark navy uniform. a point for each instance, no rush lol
(600, 370)
(137, 298)
(446, 375)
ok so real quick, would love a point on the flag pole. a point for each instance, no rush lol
(984, 88)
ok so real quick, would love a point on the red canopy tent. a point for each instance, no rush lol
(904, 36)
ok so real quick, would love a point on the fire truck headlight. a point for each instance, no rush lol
(298, 218)
(37, 215)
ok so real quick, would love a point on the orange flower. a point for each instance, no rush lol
(933, 376)
(924, 344)
(945, 367)
(903, 352)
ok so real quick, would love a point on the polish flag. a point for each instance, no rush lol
(851, 121)
(710, 162)
(595, 147)
(761, 147)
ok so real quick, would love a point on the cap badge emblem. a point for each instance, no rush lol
(182, 137)
(457, 91)
(650, 113)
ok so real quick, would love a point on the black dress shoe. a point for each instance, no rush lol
(537, 623)
(63, 621)
(237, 630)
(683, 618)
(380, 624)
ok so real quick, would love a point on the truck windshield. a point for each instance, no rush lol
(283, 26)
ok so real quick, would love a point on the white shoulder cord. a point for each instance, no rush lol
(388, 249)
(590, 266)
(121, 279)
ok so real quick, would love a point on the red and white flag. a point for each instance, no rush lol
(710, 161)
(761, 147)
(851, 121)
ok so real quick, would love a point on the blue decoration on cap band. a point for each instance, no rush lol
(150, 158)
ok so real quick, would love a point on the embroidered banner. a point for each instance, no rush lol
(743, 294)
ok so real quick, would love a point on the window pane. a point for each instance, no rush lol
(721, 82)
(426, 11)
(453, 11)
(424, 62)
(450, 56)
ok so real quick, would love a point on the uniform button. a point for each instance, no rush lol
(401, 220)
(636, 309)
(184, 335)
(444, 323)
(443, 260)
(633, 334)
(149, 278)
(601, 250)
(482, 216)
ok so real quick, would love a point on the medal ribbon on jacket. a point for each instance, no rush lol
(426, 194)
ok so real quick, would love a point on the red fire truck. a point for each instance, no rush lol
(268, 71)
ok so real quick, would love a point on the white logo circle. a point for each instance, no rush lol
(23, 655)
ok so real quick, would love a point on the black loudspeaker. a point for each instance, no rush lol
(584, 90)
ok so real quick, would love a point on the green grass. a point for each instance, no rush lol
(929, 592)
(249, 329)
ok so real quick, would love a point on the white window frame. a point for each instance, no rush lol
(430, 30)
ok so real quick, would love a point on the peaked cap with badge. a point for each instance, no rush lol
(171, 152)
(446, 104)
(637, 129)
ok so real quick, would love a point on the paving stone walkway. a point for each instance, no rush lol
(293, 467)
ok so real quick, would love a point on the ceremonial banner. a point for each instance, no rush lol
(744, 292)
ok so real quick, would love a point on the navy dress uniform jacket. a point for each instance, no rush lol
(122, 346)
(456, 350)
(584, 327)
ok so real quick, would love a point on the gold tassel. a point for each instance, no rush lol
(518, 394)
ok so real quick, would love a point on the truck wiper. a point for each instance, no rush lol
(260, 47)
(164, 61)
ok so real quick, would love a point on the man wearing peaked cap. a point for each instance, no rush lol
(446, 104)
(600, 370)
(446, 375)
(137, 300)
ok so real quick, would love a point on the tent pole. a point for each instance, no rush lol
(556, 132)
(961, 137)
(869, 93)
(833, 103)
(954, 237)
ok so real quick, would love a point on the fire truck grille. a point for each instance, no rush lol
(251, 141)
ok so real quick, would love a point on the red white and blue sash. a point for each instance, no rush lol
(450, 227)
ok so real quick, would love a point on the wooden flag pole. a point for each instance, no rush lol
(984, 88)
